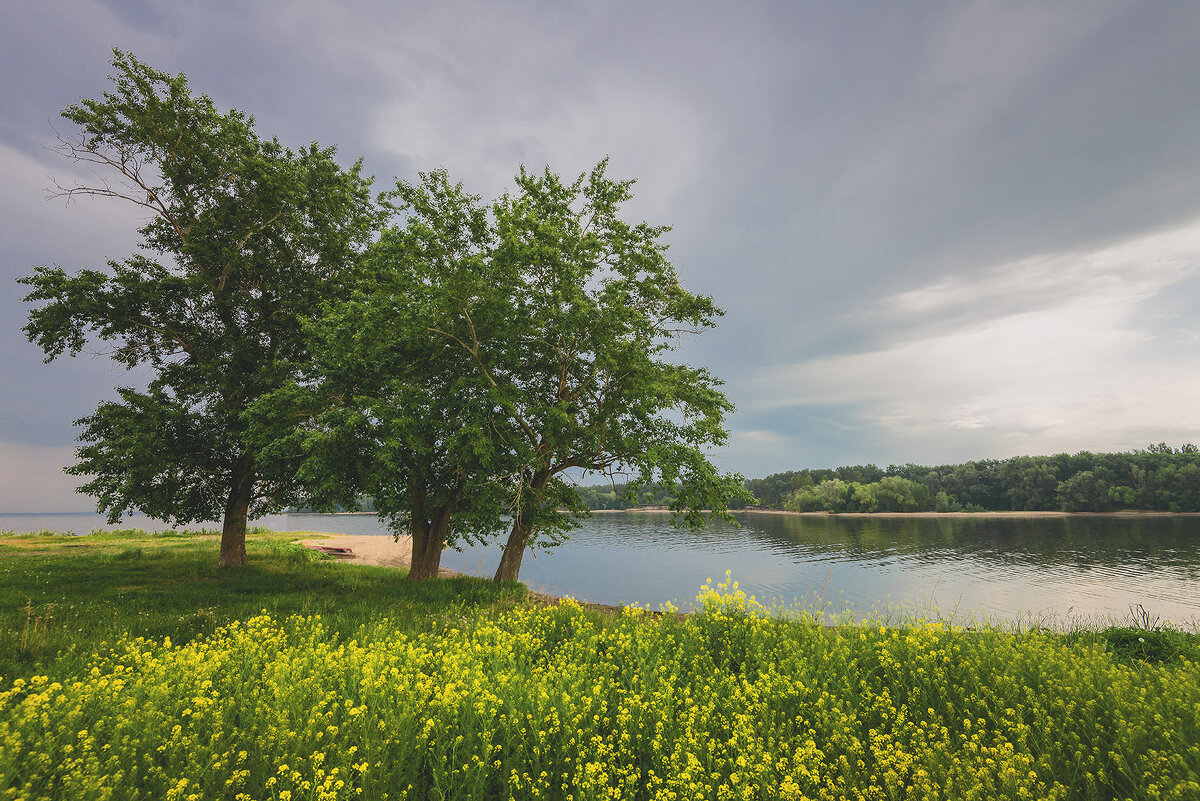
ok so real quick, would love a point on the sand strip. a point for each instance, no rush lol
(370, 549)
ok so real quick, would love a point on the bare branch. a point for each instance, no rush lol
(584, 232)
(126, 164)
(462, 344)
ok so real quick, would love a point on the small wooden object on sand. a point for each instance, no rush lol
(333, 550)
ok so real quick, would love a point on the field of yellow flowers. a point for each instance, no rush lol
(559, 702)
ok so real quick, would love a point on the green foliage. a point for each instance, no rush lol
(40, 533)
(1034, 484)
(621, 495)
(945, 502)
(1151, 645)
(247, 237)
(487, 350)
(587, 306)
(391, 406)
(773, 490)
(1084, 492)
(1158, 478)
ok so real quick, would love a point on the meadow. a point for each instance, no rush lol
(132, 669)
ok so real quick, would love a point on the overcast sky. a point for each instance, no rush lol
(940, 231)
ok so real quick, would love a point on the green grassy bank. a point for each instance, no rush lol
(62, 597)
(132, 669)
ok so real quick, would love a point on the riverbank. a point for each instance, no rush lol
(387, 551)
(368, 549)
(132, 667)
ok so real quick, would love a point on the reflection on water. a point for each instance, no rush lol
(995, 567)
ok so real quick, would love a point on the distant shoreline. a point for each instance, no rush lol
(1011, 514)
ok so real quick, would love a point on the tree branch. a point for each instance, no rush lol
(473, 350)
(165, 331)
(127, 164)
(241, 243)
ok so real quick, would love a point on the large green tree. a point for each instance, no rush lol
(588, 311)
(245, 238)
(392, 409)
(559, 315)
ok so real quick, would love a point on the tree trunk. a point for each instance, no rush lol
(523, 520)
(233, 528)
(428, 542)
(419, 563)
(514, 549)
(429, 536)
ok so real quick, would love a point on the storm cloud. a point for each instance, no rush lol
(940, 231)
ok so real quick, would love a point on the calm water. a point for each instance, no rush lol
(1007, 568)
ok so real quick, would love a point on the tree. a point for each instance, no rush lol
(251, 236)
(1032, 483)
(563, 313)
(587, 307)
(861, 498)
(896, 494)
(945, 502)
(773, 490)
(1084, 492)
(831, 495)
(388, 406)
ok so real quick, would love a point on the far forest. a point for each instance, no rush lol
(1159, 478)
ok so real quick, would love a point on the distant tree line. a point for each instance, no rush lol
(623, 496)
(1159, 478)
(364, 503)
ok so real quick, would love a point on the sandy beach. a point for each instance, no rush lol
(369, 549)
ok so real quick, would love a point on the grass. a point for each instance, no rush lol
(145, 673)
(62, 596)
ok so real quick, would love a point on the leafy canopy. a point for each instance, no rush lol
(506, 347)
(587, 311)
(387, 407)
(245, 237)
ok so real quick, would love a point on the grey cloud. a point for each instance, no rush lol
(32, 480)
(1129, 272)
(816, 160)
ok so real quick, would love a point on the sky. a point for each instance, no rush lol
(939, 231)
